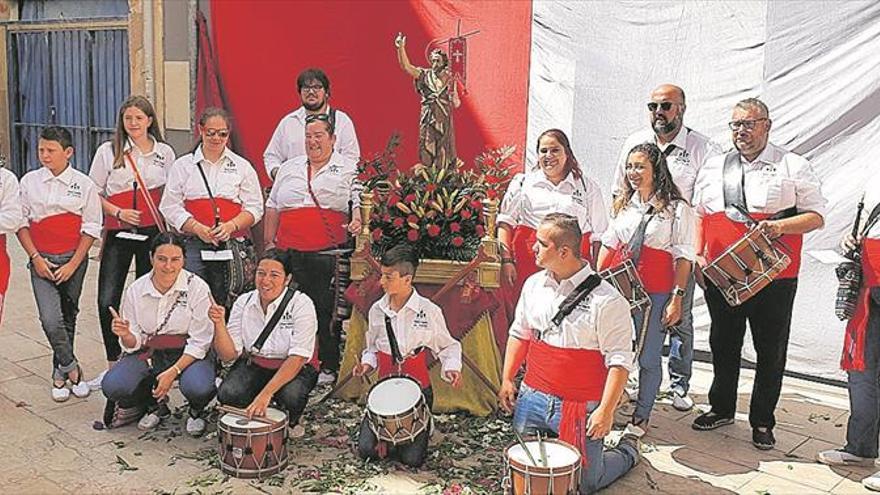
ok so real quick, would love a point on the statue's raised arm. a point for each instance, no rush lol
(402, 58)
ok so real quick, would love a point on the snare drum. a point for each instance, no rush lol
(396, 410)
(746, 267)
(253, 448)
(561, 475)
(625, 278)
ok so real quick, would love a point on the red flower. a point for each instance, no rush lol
(475, 204)
(457, 241)
(409, 198)
(492, 194)
(433, 230)
(431, 188)
(393, 199)
(377, 234)
(454, 227)
(466, 214)
(412, 219)
(412, 235)
(398, 222)
(386, 218)
(481, 231)
(363, 176)
(448, 212)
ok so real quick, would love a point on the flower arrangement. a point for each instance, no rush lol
(438, 209)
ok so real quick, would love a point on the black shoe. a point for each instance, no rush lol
(710, 421)
(109, 413)
(762, 438)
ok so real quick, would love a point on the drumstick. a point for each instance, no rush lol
(242, 412)
(524, 446)
(542, 450)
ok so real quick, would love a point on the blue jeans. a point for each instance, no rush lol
(537, 411)
(130, 381)
(863, 427)
(681, 343)
(58, 307)
(650, 360)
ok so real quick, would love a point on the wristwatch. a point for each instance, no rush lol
(678, 291)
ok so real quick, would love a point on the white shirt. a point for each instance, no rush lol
(10, 203)
(288, 141)
(692, 149)
(670, 229)
(777, 179)
(232, 178)
(293, 336)
(334, 185)
(151, 166)
(531, 196)
(146, 308)
(45, 195)
(872, 198)
(600, 322)
(419, 323)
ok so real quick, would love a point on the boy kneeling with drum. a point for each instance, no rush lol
(402, 327)
(271, 332)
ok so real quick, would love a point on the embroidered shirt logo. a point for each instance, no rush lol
(421, 319)
(74, 190)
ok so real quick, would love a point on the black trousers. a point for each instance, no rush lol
(412, 454)
(215, 273)
(246, 380)
(314, 273)
(116, 258)
(769, 316)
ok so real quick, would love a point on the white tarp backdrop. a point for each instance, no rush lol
(815, 63)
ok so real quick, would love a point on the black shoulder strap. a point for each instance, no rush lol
(210, 195)
(577, 295)
(872, 219)
(733, 183)
(331, 117)
(276, 317)
(634, 246)
(392, 341)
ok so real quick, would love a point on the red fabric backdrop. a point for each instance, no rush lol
(261, 46)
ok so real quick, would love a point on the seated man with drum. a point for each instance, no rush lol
(574, 333)
(271, 333)
(403, 326)
(771, 196)
(165, 333)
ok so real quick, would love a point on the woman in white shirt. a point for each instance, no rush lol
(165, 333)
(283, 368)
(212, 195)
(134, 160)
(10, 221)
(652, 225)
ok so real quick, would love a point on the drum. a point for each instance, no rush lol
(396, 410)
(561, 475)
(746, 267)
(625, 278)
(253, 448)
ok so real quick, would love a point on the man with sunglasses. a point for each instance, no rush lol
(287, 142)
(686, 151)
(780, 191)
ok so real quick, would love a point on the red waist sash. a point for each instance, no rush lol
(854, 340)
(4, 272)
(549, 370)
(275, 363)
(415, 367)
(310, 229)
(720, 232)
(124, 200)
(203, 211)
(162, 342)
(656, 268)
(57, 234)
(524, 256)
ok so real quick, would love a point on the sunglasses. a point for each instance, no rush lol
(744, 124)
(665, 106)
(317, 116)
(223, 133)
(313, 88)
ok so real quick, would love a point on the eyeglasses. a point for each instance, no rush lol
(663, 105)
(314, 88)
(747, 125)
(223, 133)
(317, 116)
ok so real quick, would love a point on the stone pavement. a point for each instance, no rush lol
(52, 448)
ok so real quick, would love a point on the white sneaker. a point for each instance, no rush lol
(297, 431)
(682, 401)
(872, 482)
(60, 394)
(150, 421)
(195, 426)
(95, 383)
(326, 377)
(81, 389)
(836, 457)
